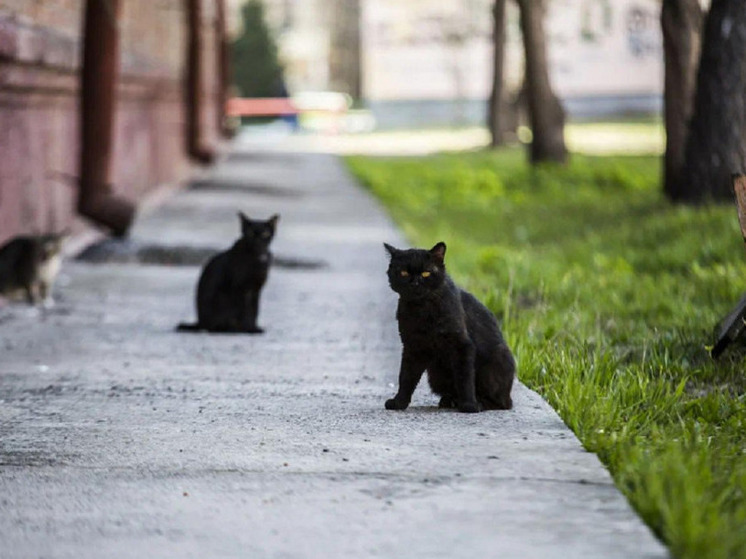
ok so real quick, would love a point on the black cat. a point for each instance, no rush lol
(29, 266)
(449, 333)
(231, 282)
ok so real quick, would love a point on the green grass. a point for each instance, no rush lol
(608, 296)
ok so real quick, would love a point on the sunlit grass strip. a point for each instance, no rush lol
(608, 296)
(618, 137)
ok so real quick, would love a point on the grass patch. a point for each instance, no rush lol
(608, 296)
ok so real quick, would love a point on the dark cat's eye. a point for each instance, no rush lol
(404, 273)
(265, 235)
(425, 274)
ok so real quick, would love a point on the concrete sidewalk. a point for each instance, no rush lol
(122, 438)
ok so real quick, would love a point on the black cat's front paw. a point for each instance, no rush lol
(446, 402)
(468, 407)
(254, 330)
(394, 404)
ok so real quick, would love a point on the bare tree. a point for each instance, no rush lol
(681, 21)
(455, 34)
(716, 146)
(345, 48)
(494, 109)
(546, 115)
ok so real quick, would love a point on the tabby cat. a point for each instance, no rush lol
(449, 333)
(231, 282)
(29, 265)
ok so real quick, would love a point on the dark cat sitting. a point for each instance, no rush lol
(231, 282)
(29, 266)
(449, 333)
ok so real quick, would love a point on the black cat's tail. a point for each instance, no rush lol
(495, 380)
(194, 327)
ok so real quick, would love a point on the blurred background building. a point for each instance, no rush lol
(428, 62)
(414, 63)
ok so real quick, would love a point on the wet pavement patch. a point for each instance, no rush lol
(127, 251)
(292, 263)
(264, 157)
(262, 189)
(32, 458)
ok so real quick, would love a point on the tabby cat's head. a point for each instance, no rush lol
(50, 245)
(258, 231)
(415, 273)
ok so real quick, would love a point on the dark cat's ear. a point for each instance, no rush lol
(51, 245)
(439, 251)
(245, 224)
(272, 221)
(391, 250)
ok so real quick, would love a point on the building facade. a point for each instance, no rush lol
(433, 58)
(42, 126)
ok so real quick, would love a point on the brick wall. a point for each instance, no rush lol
(40, 52)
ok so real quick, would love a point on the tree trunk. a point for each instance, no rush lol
(716, 147)
(739, 189)
(495, 105)
(546, 116)
(681, 21)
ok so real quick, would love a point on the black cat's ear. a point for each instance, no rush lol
(272, 221)
(245, 223)
(439, 251)
(391, 250)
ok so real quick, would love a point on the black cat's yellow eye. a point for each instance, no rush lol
(265, 235)
(425, 274)
(404, 273)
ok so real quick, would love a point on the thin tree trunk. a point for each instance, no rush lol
(495, 105)
(546, 115)
(681, 21)
(716, 147)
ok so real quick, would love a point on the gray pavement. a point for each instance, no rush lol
(122, 438)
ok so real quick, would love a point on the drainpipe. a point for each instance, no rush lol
(193, 85)
(223, 67)
(97, 103)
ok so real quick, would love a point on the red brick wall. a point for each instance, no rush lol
(40, 52)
